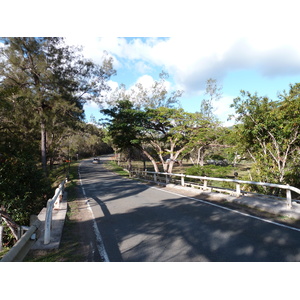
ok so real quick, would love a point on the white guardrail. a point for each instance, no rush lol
(53, 203)
(21, 245)
(205, 180)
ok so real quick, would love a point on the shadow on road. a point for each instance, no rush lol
(181, 231)
(137, 228)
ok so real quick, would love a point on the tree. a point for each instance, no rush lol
(211, 140)
(269, 133)
(153, 97)
(125, 126)
(174, 132)
(43, 86)
(214, 93)
(54, 79)
(86, 141)
(169, 133)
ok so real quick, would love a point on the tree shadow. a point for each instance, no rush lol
(178, 228)
(179, 231)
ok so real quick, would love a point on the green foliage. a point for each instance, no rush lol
(210, 171)
(23, 187)
(269, 133)
(49, 81)
(216, 157)
(86, 141)
(43, 86)
(125, 125)
(166, 131)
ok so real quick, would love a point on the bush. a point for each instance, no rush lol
(23, 188)
(210, 171)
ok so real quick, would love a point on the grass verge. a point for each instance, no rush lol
(113, 166)
(70, 249)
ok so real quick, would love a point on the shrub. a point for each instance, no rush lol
(210, 171)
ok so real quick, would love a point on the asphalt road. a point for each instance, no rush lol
(135, 222)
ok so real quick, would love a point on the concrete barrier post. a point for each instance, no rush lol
(182, 180)
(48, 221)
(205, 184)
(289, 198)
(56, 204)
(238, 189)
(1, 237)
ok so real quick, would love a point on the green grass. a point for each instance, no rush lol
(4, 251)
(241, 168)
(70, 248)
(112, 166)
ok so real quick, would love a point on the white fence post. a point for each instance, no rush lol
(238, 183)
(48, 221)
(182, 180)
(52, 203)
(167, 178)
(205, 184)
(238, 189)
(289, 198)
(58, 199)
(1, 237)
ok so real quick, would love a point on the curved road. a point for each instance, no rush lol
(137, 222)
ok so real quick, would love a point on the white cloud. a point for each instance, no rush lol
(192, 60)
(142, 67)
(222, 110)
(230, 35)
(147, 81)
(112, 84)
(91, 105)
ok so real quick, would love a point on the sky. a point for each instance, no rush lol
(244, 45)
(251, 63)
(250, 45)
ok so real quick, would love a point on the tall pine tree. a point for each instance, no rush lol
(52, 80)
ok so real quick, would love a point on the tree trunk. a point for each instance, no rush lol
(10, 223)
(43, 146)
(201, 155)
(170, 167)
(165, 166)
(152, 160)
(129, 160)
(174, 158)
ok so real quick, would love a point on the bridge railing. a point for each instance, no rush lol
(157, 176)
(53, 203)
(20, 249)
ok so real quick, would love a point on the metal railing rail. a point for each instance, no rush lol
(237, 182)
(21, 244)
(53, 203)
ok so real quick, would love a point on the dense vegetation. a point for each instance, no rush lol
(44, 85)
(266, 133)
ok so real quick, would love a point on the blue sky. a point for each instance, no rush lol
(251, 63)
(244, 44)
(249, 45)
